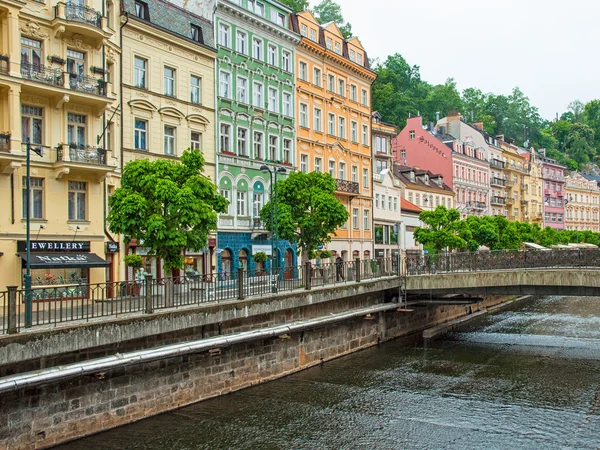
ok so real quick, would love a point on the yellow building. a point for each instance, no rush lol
(582, 197)
(516, 174)
(333, 121)
(57, 66)
(533, 194)
(168, 95)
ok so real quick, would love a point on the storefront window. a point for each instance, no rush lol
(55, 277)
(379, 234)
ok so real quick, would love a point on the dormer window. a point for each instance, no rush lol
(426, 178)
(141, 10)
(412, 176)
(196, 33)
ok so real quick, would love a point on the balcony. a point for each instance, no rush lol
(509, 183)
(498, 201)
(79, 20)
(497, 182)
(560, 193)
(497, 164)
(5, 143)
(347, 187)
(524, 202)
(87, 84)
(476, 205)
(4, 64)
(510, 200)
(82, 160)
(43, 74)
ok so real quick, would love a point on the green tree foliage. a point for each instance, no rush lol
(307, 210)
(443, 230)
(442, 98)
(330, 11)
(169, 206)
(579, 142)
(296, 5)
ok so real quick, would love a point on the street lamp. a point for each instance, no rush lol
(27, 280)
(273, 196)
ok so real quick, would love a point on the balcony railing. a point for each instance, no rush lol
(4, 64)
(86, 154)
(476, 205)
(350, 187)
(78, 13)
(510, 200)
(524, 202)
(43, 74)
(85, 83)
(509, 183)
(498, 200)
(497, 182)
(496, 163)
(5, 143)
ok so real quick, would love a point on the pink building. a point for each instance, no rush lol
(553, 178)
(416, 146)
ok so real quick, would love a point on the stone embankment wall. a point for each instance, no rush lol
(41, 416)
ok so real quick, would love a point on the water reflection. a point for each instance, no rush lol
(527, 377)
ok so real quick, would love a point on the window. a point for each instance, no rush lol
(341, 87)
(365, 134)
(169, 76)
(272, 55)
(342, 127)
(273, 148)
(317, 76)
(303, 113)
(224, 84)
(380, 144)
(286, 61)
(313, 34)
(195, 87)
(76, 64)
(225, 137)
(318, 165)
(359, 58)
(366, 178)
(329, 43)
(331, 124)
(257, 93)
(337, 48)
(241, 203)
(196, 33)
(352, 55)
(76, 133)
(364, 99)
(196, 141)
(169, 141)
(241, 42)
(287, 151)
(77, 191)
(273, 100)
(376, 200)
(390, 202)
(355, 218)
(383, 201)
(224, 35)
(141, 10)
(287, 104)
(355, 174)
(31, 55)
(257, 204)
(411, 135)
(304, 163)
(330, 83)
(354, 132)
(257, 49)
(140, 134)
(332, 168)
(140, 72)
(317, 120)
(396, 204)
(367, 221)
(242, 90)
(353, 93)
(303, 75)
(260, 9)
(31, 124)
(226, 194)
(242, 144)
(342, 171)
(257, 143)
(36, 201)
(303, 30)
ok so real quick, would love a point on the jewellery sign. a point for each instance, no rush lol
(54, 246)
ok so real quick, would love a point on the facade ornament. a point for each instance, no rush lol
(77, 42)
(33, 29)
(111, 57)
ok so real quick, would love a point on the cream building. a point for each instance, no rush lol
(387, 192)
(582, 203)
(516, 175)
(168, 95)
(58, 67)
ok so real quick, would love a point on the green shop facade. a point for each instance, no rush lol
(256, 123)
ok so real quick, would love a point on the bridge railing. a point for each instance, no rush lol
(501, 260)
(54, 305)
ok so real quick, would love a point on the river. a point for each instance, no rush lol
(527, 377)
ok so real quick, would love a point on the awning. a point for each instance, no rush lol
(66, 260)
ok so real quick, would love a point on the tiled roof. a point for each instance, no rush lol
(402, 172)
(405, 205)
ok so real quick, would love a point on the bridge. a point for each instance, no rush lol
(525, 272)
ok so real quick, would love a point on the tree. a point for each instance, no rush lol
(169, 206)
(443, 230)
(579, 143)
(296, 5)
(329, 11)
(442, 98)
(307, 211)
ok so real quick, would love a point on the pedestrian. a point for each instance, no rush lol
(339, 266)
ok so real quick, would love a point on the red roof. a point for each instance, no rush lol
(408, 206)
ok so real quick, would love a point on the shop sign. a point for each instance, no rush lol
(54, 246)
(261, 248)
(112, 247)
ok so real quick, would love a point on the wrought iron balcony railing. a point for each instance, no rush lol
(497, 182)
(497, 164)
(476, 205)
(85, 83)
(81, 154)
(4, 64)
(350, 187)
(5, 143)
(43, 74)
(498, 200)
(78, 13)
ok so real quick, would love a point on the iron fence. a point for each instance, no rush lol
(79, 13)
(43, 74)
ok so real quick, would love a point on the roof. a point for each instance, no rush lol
(591, 177)
(403, 174)
(405, 205)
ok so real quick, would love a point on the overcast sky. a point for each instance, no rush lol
(549, 48)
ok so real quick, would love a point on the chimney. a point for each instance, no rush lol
(430, 127)
(453, 115)
(478, 125)
(437, 116)
(442, 130)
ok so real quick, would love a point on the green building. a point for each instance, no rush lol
(255, 122)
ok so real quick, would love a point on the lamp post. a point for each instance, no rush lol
(27, 278)
(577, 226)
(273, 195)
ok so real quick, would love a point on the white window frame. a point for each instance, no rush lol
(331, 124)
(317, 77)
(169, 140)
(225, 137)
(287, 104)
(242, 141)
(303, 115)
(258, 99)
(242, 89)
(273, 99)
(77, 200)
(272, 56)
(241, 42)
(140, 72)
(273, 148)
(196, 140)
(257, 48)
(303, 70)
(303, 163)
(287, 150)
(317, 120)
(140, 134)
(195, 89)
(286, 61)
(342, 127)
(224, 35)
(354, 131)
(224, 84)
(258, 145)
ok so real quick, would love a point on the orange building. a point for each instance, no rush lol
(333, 124)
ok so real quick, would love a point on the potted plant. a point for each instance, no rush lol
(260, 258)
(135, 262)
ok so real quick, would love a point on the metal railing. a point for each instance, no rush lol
(5, 144)
(55, 305)
(4, 64)
(350, 187)
(497, 164)
(78, 13)
(43, 74)
(498, 200)
(501, 260)
(82, 154)
(497, 182)
(88, 84)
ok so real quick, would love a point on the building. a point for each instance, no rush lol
(382, 135)
(532, 194)
(553, 181)
(582, 197)
(59, 91)
(168, 96)
(410, 222)
(386, 213)
(516, 177)
(423, 188)
(333, 124)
